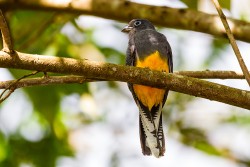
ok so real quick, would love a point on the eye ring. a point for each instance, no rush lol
(137, 23)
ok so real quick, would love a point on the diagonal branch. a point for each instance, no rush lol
(111, 72)
(7, 43)
(11, 87)
(232, 41)
(163, 16)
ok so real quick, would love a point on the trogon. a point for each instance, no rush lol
(148, 48)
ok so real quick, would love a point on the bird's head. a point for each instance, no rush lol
(137, 25)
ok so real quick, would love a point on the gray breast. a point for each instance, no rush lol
(149, 41)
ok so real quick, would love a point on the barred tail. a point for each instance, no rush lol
(151, 132)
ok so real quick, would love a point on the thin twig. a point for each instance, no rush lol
(207, 74)
(7, 43)
(232, 41)
(44, 81)
(6, 95)
(13, 86)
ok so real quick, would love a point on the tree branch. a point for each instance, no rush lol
(7, 43)
(211, 74)
(111, 72)
(232, 41)
(43, 81)
(71, 79)
(163, 16)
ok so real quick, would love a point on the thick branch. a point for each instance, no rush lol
(232, 41)
(107, 71)
(162, 16)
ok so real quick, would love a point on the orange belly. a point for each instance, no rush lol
(150, 96)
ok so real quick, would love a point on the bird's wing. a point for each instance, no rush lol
(147, 128)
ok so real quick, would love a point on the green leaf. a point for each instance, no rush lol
(197, 138)
(40, 154)
(31, 33)
(192, 4)
(225, 4)
(3, 147)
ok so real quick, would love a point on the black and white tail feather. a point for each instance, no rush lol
(151, 130)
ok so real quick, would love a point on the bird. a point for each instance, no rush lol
(147, 48)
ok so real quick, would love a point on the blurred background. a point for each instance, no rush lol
(96, 124)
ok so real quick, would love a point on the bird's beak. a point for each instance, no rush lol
(127, 29)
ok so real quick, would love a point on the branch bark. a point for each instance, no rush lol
(163, 16)
(43, 81)
(106, 71)
(212, 74)
(7, 42)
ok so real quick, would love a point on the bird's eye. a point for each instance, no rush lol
(137, 23)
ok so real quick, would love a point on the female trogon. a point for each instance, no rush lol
(148, 48)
